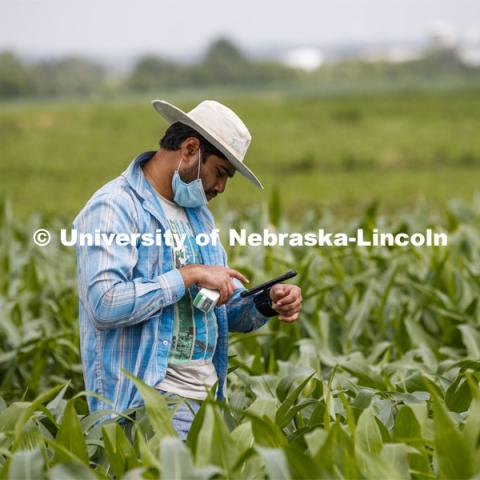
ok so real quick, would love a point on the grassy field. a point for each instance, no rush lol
(330, 151)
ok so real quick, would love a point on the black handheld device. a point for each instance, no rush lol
(262, 294)
(269, 284)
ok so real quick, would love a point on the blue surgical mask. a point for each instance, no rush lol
(188, 194)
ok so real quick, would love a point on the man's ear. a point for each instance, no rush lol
(190, 147)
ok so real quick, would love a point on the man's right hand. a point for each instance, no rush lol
(214, 277)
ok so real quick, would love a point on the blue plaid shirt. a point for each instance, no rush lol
(127, 293)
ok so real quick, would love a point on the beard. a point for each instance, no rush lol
(190, 174)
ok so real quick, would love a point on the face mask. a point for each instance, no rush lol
(188, 194)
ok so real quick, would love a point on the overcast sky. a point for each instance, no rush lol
(169, 27)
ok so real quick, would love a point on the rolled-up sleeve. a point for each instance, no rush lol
(107, 286)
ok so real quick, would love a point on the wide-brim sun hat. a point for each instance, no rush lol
(218, 125)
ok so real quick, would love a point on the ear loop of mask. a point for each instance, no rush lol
(199, 162)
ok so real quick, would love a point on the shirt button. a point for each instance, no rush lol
(165, 342)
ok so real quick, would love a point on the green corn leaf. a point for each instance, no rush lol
(71, 471)
(265, 432)
(264, 406)
(366, 375)
(406, 425)
(282, 417)
(26, 465)
(373, 466)
(70, 435)
(367, 434)
(471, 340)
(31, 408)
(275, 462)
(214, 444)
(148, 455)
(176, 460)
(472, 423)
(302, 466)
(455, 455)
(120, 452)
(156, 407)
(458, 395)
(337, 452)
(396, 455)
(315, 440)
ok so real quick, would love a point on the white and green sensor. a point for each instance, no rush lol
(206, 299)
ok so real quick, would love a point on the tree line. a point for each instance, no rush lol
(223, 63)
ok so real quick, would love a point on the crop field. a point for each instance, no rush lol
(337, 152)
(377, 379)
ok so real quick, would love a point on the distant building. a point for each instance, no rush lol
(469, 50)
(394, 54)
(304, 58)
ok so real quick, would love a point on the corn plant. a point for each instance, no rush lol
(377, 379)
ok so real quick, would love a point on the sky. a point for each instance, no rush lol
(185, 28)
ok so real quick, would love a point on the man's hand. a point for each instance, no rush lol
(213, 277)
(287, 301)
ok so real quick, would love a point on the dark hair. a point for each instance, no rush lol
(177, 132)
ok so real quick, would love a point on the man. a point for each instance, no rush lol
(136, 309)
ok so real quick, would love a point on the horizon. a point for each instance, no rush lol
(88, 29)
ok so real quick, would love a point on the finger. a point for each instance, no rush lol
(288, 319)
(277, 292)
(230, 289)
(289, 312)
(285, 309)
(223, 295)
(287, 302)
(233, 273)
(290, 307)
(289, 297)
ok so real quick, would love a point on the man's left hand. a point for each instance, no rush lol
(287, 301)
